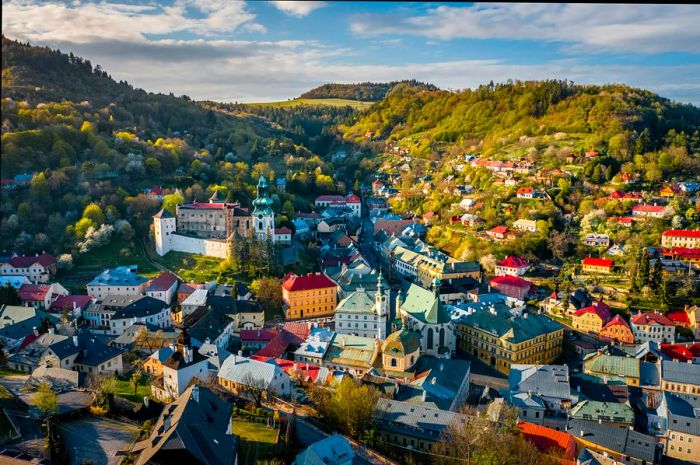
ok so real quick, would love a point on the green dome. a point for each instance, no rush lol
(401, 343)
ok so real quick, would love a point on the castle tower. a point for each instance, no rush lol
(381, 307)
(263, 216)
(164, 224)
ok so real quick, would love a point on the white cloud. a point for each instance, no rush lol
(297, 8)
(589, 27)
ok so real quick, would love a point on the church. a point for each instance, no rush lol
(361, 314)
(207, 228)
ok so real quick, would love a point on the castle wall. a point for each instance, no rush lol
(209, 247)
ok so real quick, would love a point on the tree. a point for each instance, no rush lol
(643, 268)
(9, 295)
(171, 200)
(656, 276)
(136, 379)
(45, 400)
(268, 292)
(351, 407)
(665, 292)
(560, 242)
(255, 387)
(94, 212)
(152, 341)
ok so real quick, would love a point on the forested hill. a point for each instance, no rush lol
(494, 118)
(364, 91)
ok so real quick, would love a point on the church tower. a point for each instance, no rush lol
(381, 307)
(263, 216)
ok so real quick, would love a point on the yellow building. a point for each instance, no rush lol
(683, 378)
(597, 265)
(310, 296)
(400, 350)
(428, 269)
(591, 319)
(500, 340)
(601, 365)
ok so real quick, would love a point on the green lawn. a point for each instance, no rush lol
(257, 441)
(126, 389)
(336, 102)
(191, 267)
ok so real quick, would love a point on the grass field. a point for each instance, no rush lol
(257, 441)
(335, 102)
(191, 267)
(125, 389)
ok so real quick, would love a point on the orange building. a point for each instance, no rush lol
(617, 330)
(310, 296)
(591, 319)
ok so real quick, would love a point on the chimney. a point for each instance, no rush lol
(35, 331)
(52, 330)
(145, 401)
(75, 341)
(578, 388)
(240, 353)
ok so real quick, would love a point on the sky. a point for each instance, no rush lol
(274, 50)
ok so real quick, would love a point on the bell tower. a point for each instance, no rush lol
(263, 216)
(381, 307)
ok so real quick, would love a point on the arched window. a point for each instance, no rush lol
(393, 362)
(430, 338)
(442, 337)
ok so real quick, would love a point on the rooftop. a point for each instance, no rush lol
(119, 276)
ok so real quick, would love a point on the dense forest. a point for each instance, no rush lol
(364, 91)
(91, 147)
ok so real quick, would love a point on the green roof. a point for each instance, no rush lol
(612, 365)
(359, 301)
(425, 306)
(606, 411)
(346, 349)
(501, 323)
(401, 343)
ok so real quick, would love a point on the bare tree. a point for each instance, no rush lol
(255, 387)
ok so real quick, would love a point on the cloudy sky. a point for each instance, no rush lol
(265, 51)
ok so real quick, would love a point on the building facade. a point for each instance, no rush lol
(309, 296)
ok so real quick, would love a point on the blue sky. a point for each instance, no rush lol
(264, 51)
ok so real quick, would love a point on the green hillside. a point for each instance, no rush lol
(363, 91)
(333, 102)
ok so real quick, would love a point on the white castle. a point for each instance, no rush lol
(207, 228)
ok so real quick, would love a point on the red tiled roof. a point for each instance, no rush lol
(648, 208)
(280, 344)
(679, 316)
(623, 219)
(525, 190)
(650, 319)
(283, 230)
(617, 320)
(694, 233)
(681, 352)
(352, 198)
(33, 292)
(163, 282)
(681, 253)
(67, 302)
(257, 335)
(307, 371)
(597, 262)
(204, 206)
(599, 308)
(513, 262)
(499, 230)
(299, 328)
(511, 281)
(157, 190)
(22, 261)
(330, 198)
(292, 282)
(547, 438)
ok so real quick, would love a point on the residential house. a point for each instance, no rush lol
(27, 357)
(163, 287)
(309, 296)
(689, 239)
(626, 368)
(617, 330)
(596, 240)
(676, 420)
(281, 346)
(611, 413)
(683, 378)
(301, 228)
(625, 445)
(591, 319)
(525, 225)
(353, 355)
(653, 327)
(687, 317)
(142, 309)
(182, 366)
(18, 322)
(73, 305)
(512, 266)
(391, 226)
(121, 280)
(499, 233)
(282, 236)
(38, 269)
(84, 353)
(313, 349)
(689, 187)
(256, 339)
(548, 440)
(500, 339)
(512, 286)
(681, 352)
(40, 296)
(154, 363)
(649, 211)
(14, 281)
(194, 429)
(597, 265)
(525, 193)
(669, 191)
(245, 314)
(242, 375)
(333, 450)
(540, 392)
(194, 301)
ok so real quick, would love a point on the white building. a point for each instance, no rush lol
(239, 374)
(184, 365)
(144, 310)
(596, 240)
(512, 266)
(525, 225)
(163, 287)
(38, 268)
(653, 327)
(121, 280)
(362, 314)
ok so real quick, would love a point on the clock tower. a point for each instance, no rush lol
(263, 216)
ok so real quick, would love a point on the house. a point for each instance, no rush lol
(617, 330)
(688, 317)
(540, 392)
(653, 327)
(155, 193)
(282, 236)
(73, 305)
(591, 319)
(689, 187)
(500, 339)
(28, 356)
(333, 450)
(649, 211)
(625, 221)
(177, 372)
(689, 239)
(363, 313)
(625, 445)
(38, 268)
(280, 346)
(498, 232)
(309, 296)
(145, 337)
(281, 184)
(301, 228)
(242, 375)
(154, 363)
(330, 225)
(194, 429)
(681, 352)
(596, 265)
(351, 201)
(121, 280)
(525, 193)
(142, 309)
(391, 226)
(14, 281)
(84, 353)
(411, 426)
(676, 420)
(18, 322)
(669, 191)
(195, 300)
(596, 240)
(525, 225)
(426, 314)
(354, 355)
(163, 287)
(512, 286)
(624, 367)
(683, 378)
(40, 296)
(512, 266)
(314, 348)
(256, 339)
(548, 440)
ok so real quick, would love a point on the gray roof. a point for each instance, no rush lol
(547, 380)
(683, 412)
(91, 350)
(241, 369)
(333, 450)
(31, 354)
(621, 440)
(210, 326)
(360, 301)
(677, 372)
(140, 307)
(413, 420)
(17, 322)
(196, 424)
(439, 382)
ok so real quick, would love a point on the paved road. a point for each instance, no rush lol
(96, 439)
